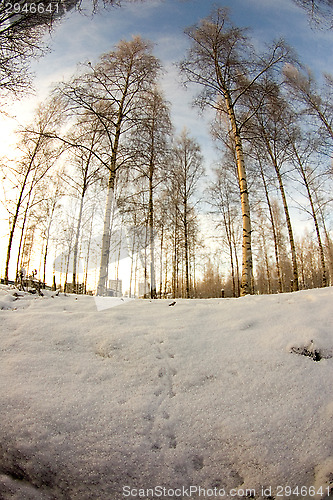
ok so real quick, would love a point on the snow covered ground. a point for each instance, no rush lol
(205, 399)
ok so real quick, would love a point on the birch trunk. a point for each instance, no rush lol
(228, 230)
(48, 231)
(315, 220)
(276, 248)
(104, 266)
(166, 273)
(295, 286)
(237, 264)
(161, 261)
(88, 251)
(76, 242)
(247, 265)
(328, 244)
(187, 277)
(151, 232)
(145, 263)
(132, 265)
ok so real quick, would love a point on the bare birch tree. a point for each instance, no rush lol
(272, 221)
(48, 208)
(271, 127)
(113, 91)
(222, 199)
(38, 155)
(150, 143)
(224, 63)
(305, 165)
(186, 174)
(86, 170)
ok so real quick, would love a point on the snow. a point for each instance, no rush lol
(206, 399)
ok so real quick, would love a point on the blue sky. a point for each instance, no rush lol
(164, 21)
(80, 38)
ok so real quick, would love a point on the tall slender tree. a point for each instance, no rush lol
(271, 127)
(224, 63)
(186, 174)
(222, 197)
(86, 170)
(38, 155)
(150, 143)
(113, 91)
(303, 150)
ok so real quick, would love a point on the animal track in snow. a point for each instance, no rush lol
(160, 431)
(197, 462)
(172, 441)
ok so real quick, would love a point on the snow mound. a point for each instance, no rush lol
(210, 394)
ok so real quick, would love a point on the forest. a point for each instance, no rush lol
(100, 174)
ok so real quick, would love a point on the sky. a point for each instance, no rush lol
(82, 38)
